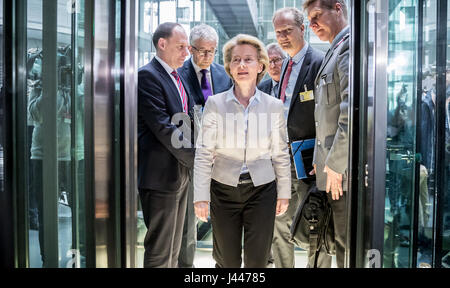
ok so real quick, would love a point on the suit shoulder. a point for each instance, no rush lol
(218, 96)
(218, 67)
(263, 84)
(148, 72)
(148, 69)
(216, 99)
(272, 101)
(345, 45)
(317, 55)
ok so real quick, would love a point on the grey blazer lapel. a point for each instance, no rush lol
(324, 63)
(330, 53)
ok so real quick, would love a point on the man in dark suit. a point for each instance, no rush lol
(203, 79)
(276, 57)
(163, 166)
(296, 85)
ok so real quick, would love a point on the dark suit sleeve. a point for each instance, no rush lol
(153, 109)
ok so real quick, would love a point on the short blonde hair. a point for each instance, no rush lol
(243, 39)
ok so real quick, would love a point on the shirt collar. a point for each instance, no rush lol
(299, 56)
(232, 97)
(274, 83)
(198, 69)
(340, 35)
(165, 65)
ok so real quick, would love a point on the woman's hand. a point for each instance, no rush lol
(282, 206)
(201, 210)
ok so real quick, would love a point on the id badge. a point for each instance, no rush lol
(306, 96)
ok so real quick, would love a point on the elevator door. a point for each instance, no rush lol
(407, 168)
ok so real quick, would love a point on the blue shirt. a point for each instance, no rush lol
(252, 102)
(298, 62)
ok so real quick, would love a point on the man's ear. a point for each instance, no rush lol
(162, 44)
(338, 7)
(190, 49)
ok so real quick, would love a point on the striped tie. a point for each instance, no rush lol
(183, 93)
(286, 81)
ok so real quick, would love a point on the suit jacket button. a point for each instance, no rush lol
(318, 142)
(317, 124)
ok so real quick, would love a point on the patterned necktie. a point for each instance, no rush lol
(206, 87)
(286, 81)
(182, 92)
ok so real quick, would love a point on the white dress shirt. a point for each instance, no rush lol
(224, 144)
(200, 75)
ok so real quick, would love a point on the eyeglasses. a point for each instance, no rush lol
(275, 61)
(247, 61)
(205, 52)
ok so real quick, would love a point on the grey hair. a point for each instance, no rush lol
(298, 15)
(277, 48)
(204, 32)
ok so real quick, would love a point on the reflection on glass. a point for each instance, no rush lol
(427, 145)
(2, 131)
(446, 191)
(400, 141)
(69, 118)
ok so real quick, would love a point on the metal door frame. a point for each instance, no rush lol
(441, 68)
(372, 158)
(371, 161)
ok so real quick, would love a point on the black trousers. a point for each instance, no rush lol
(247, 209)
(164, 217)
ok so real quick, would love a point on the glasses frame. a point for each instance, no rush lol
(205, 53)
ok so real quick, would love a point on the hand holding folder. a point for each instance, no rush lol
(297, 147)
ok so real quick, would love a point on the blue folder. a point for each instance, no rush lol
(297, 147)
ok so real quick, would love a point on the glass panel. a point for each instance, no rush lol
(65, 93)
(2, 99)
(427, 185)
(34, 87)
(400, 138)
(446, 188)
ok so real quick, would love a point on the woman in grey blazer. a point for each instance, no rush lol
(242, 165)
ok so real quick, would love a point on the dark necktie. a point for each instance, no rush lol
(286, 81)
(275, 89)
(206, 86)
(182, 91)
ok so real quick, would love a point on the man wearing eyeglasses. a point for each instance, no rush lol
(296, 91)
(276, 57)
(203, 79)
